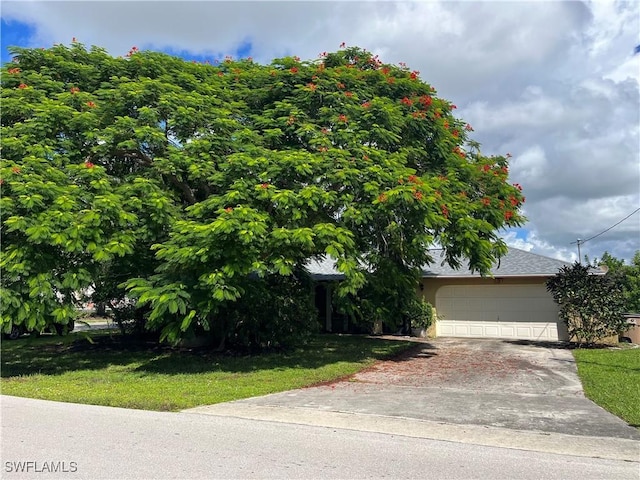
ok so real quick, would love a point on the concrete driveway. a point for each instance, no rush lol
(490, 392)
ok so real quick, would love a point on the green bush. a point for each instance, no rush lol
(420, 313)
(591, 305)
(274, 312)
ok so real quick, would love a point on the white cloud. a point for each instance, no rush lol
(532, 243)
(553, 83)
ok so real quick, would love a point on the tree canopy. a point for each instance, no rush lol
(629, 276)
(187, 186)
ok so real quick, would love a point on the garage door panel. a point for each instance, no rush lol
(498, 311)
(476, 330)
(490, 331)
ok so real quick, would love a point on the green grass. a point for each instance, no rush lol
(117, 372)
(611, 378)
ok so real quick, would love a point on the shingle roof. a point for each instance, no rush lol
(324, 269)
(516, 263)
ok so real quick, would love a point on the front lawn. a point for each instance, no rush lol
(118, 372)
(611, 378)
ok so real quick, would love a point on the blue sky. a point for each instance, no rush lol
(21, 34)
(555, 84)
(13, 33)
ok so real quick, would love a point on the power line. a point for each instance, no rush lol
(582, 242)
(614, 225)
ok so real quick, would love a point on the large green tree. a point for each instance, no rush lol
(629, 276)
(193, 185)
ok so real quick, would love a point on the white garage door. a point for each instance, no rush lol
(525, 312)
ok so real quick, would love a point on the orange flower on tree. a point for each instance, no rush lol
(343, 118)
(133, 50)
(426, 100)
(486, 201)
(406, 101)
(508, 215)
(382, 197)
(74, 90)
(264, 185)
(22, 86)
(91, 105)
(15, 170)
(293, 70)
(89, 164)
(14, 71)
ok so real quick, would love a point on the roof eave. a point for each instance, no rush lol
(523, 275)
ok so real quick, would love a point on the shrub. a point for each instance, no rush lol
(419, 313)
(591, 305)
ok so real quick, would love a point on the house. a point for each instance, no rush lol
(512, 302)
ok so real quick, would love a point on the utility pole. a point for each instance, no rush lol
(579, 256)
(579, 242)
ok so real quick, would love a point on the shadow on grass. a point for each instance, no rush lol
(56, 355)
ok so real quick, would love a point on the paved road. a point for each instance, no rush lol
(90, 442)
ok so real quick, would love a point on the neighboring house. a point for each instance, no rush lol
(511, 303)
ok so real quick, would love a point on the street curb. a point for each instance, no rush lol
(557, 443)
